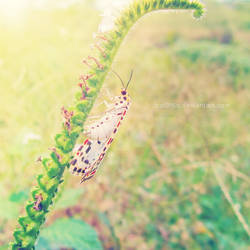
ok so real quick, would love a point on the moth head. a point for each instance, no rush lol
(124, 95)
(124, 92)
(123, 99)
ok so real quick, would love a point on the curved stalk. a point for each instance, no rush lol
(43, 194)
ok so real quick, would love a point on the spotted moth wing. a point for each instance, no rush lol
(89, 155)
(85, 156)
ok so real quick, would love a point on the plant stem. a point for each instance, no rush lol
(43, 194)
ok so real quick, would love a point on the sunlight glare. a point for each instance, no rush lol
(13, 9)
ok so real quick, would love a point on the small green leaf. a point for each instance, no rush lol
(69, 233)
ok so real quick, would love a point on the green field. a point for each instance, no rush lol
(177, 175)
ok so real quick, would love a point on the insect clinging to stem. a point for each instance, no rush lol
(100, 134)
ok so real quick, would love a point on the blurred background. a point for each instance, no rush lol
(177, 175)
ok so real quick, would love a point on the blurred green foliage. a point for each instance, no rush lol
(68, 198)
(233, 58)
(156, 187)
(69, 233)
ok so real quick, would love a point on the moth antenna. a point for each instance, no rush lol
(131, 74)
(118, 77)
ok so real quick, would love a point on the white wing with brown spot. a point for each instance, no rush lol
(88, 157)
(85, 156)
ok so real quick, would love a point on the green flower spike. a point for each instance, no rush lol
(43, 194)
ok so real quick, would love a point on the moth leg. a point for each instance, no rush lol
(103, 103)
(94, 116)
(108, 105)
(108, 93)
(104, 92)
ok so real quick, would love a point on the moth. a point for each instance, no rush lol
(99, 135)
